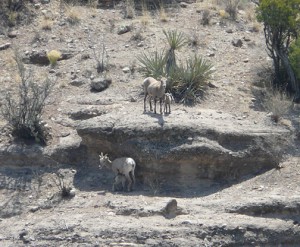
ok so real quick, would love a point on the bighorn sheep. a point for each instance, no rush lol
(168, 99)
(124, 166)
(119, 179)
(155, 89)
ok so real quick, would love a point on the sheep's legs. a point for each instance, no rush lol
(132, 176)
(129, 182)
(145, 102)
(150, 103)
(160, 103)
(155, 104)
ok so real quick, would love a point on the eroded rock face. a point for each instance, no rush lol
(191, 148)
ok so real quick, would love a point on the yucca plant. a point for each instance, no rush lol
(176, 40)
(153, 64)
(190, 80)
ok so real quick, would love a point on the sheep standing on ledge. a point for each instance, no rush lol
(120, 166)
(168, 99)
(155, 89)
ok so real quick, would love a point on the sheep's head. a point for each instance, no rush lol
(104, 160)
(163, 82)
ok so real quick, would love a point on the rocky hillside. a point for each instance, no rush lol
(229, 171)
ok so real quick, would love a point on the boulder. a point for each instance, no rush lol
(100, 84)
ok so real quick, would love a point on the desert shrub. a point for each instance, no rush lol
(176, 40)
(73, 15)
(188, 81)
(15, 12)
(100, 54)
(129, 9)
(231, 7)
(281, 26)
(53, 56)
(24, 111)
(60, 182)
(277, 103)
(205, 17)
(162, 13)
(153, 64)
(294, 57)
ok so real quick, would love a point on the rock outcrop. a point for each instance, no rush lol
(191, 146)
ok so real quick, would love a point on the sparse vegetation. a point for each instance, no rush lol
(281, 26)
(101, 57)
(190, 79)
(176, 40)
(73, 15)
(231, 7)
(277, 104)
(129, 9)
(153, 64)
(205, 17)
(187, 81)
(46, 24)
(24, 112)
(53, 57)
(162, 13)
(64, 189)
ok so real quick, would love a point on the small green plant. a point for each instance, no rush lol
(24, 111)
(53, 56)
(188, 81)
(294, 57)
(153, 64)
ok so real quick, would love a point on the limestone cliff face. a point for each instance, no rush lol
(181, 145)
(191, 145)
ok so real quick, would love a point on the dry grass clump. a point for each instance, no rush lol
(46, 24)
(145, 19)
(278, 104)
(73, 15)
(162, 13)
(129, 9)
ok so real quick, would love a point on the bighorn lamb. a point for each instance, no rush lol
(124, 166)
(155, 89)
(168, 99)
(119, 179)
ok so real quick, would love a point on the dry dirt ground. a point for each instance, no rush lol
(257, 210)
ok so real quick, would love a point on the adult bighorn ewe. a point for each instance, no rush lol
(155, 89)
(120, 166)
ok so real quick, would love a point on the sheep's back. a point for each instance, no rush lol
(123, 165)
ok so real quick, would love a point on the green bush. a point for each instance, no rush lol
(153, 64)
(189, 80)
(294, 57)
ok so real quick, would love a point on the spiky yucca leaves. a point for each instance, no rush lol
(176, 40)
(190, 80)
(153, 64)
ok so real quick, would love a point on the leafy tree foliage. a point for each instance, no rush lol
(281, 19)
